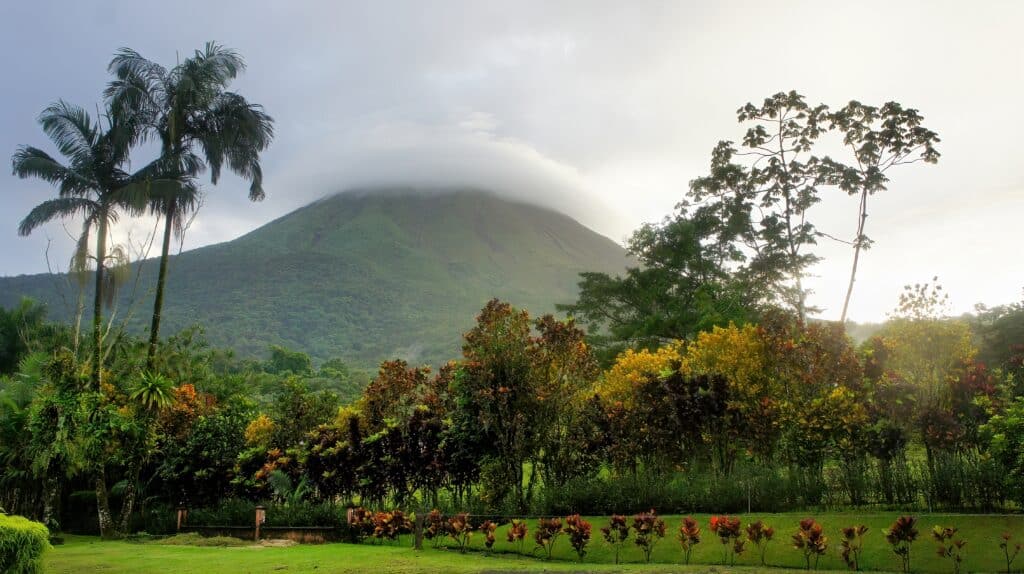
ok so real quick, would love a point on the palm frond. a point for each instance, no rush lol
(139, 86)
(55, 208)
(79, 266)
(153, 391)
(126, 130)
(215, 65)
(72, 130)
(118, 267)
(154, 193)
(30, 161)
(235, 131)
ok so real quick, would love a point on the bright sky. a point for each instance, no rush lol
(605, 110)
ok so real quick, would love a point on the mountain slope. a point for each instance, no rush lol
(366, 275)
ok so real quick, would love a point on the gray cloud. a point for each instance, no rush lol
(604, 110)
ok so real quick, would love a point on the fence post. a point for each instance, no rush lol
(182, 516)
(261, 517)
(419, 531)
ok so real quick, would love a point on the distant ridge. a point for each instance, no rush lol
(366, 275)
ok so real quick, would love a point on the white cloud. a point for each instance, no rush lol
(603, 109)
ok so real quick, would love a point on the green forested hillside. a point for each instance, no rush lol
(363, 275)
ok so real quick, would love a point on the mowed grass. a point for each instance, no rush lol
(982, 533)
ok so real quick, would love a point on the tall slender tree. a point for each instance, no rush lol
(879, 139)
(200, 125)
(93, 185)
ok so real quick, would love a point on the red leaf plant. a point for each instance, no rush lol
(950, 546)
(616, 534)
(1006, 546)
(852, 545)
(649, 530)
(728, 531)
(517, 533)
(435, 528)
(578, 531)
(548, 530)
(460, 530)
(810, 539)
(760, 534)
(901, 536)
(689, 537)
(488, 528)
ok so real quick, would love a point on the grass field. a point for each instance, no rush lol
(83, 554)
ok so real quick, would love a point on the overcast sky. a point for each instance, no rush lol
(602, 109)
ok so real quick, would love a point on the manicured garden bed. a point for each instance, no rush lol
(982, 552)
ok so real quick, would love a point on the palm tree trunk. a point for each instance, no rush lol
(103, 506)
(130, 494)
(158, 303)
(51, 503)
(79, 311)
(97, 309)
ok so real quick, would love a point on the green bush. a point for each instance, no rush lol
(307, 514)
(228, 512)
(238, 512)
(22, 543)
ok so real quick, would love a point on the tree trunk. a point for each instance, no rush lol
(103, 507)
(51, 503)
(97, 306)
(79, 312)
(158, 302)
(131, 492)
(858, 243)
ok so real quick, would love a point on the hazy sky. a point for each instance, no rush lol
(602, 109)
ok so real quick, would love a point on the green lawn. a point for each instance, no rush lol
(83, 554)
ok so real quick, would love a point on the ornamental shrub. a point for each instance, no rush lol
(488, 528)
(517, 533)
(435, 527)
(1010, 550)
(649, 530)
(760, 534)
(689, 537)
(616, 534)
(22, 543)
(728, 531)
(548, 530)
(852, 544)
(460, 530)
(810, 540)
(901, 535)
(950, 546)
(578, 531)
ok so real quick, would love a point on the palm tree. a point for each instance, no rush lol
(93, 185)
(153, 392)
(199, 124)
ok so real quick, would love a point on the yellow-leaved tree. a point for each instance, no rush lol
(632, 368)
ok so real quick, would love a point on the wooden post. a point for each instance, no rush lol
(419, 531)
(261, 517)
(182, 516)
